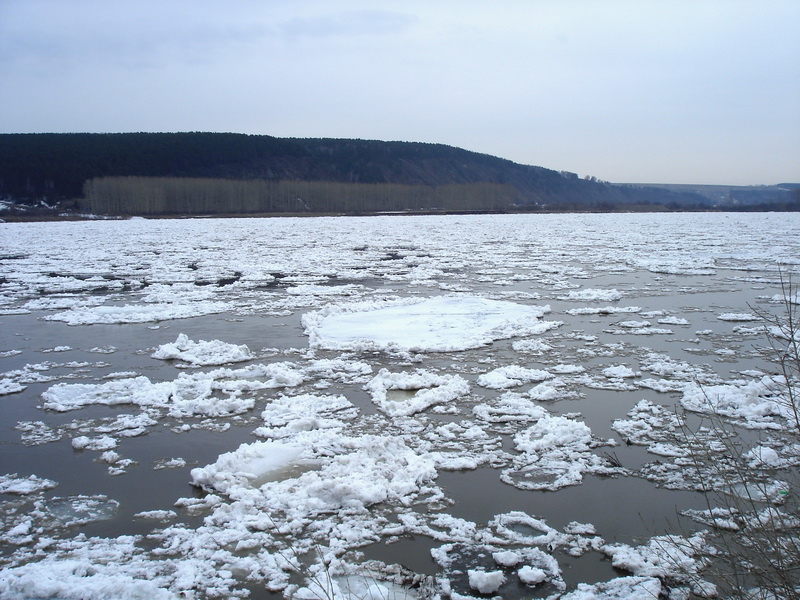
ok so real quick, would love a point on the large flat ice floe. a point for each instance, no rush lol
(439, 324)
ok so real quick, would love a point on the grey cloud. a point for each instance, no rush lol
(348, 23)
(130, 38)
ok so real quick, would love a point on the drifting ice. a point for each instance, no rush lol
(440, 324)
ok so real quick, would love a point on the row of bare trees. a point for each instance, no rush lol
(180, 195)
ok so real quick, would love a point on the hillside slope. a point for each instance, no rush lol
(56, 168)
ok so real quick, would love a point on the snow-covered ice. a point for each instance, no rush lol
(13, 484)
(438, 324)
(203, 353)
(427, 389)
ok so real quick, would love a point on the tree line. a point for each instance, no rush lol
(183, 195)
(56, 168)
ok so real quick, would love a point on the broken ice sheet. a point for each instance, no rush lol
(473, 570)
(70, 511)
(555, 452)
(426, 389)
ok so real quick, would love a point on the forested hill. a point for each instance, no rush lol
(170, 173)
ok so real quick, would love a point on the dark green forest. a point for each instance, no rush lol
(227, 173)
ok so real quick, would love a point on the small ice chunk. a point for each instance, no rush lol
(673, 321)
(132, 313)
(594, 295)
(739, 317)
(486, 582)
(429, 389)
(547, 391)
(9, 386)
(619, 372)
(80, 510)
(64, 397)
(203, 353)
(507, 558)
(20, 530)
(531, 346)
(100, 443)
(563, 369)
(169, 463)
(634, 324)
(13, 484)
(664, 556)
(531, 575)
(511, 376)
(762, 456)
(156, 515)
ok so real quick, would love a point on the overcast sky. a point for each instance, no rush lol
(660, 91)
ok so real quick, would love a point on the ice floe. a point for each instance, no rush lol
(245, 466)
(594, 295)
(439, 324)
(755, 404)
(511, 376)
(135, 313)
(13, 484)
(203, 353)
(621, 588)
(426, 390)
(671, 558)
(554, 452)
